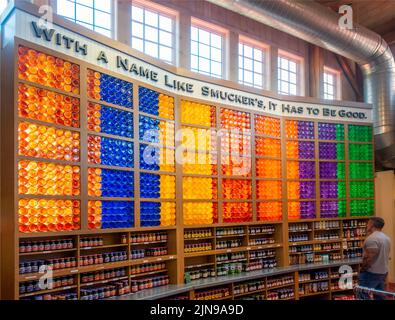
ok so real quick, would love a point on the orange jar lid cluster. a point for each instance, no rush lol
(94, 214)
(48, 215)
(235, 119)
(236, 189)
(266, 147)
(48, 106)
(269, 211)
(199, 213)
(267, 126)
(268, 168)
(268, 190)
(47, 142)
(237, 211)
(48, 179)
(197, 113)
(48, 70)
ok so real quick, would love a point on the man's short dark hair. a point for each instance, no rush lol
(378, 222)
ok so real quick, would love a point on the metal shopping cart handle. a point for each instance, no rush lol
(387, 294)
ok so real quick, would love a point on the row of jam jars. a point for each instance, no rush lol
(48, 106)
(48, 142)
(47, 70)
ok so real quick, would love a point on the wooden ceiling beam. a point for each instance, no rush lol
(350, 76)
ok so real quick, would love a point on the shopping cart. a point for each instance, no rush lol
(363, 293)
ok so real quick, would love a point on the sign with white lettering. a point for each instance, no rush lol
(81, 47)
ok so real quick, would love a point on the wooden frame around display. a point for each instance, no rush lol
(10, 158)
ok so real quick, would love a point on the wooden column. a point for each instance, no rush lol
(316, 68)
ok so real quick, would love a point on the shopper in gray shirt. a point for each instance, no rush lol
(376, 250)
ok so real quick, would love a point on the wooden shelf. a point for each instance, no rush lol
(196, 239)
(282, 286)
(88, 284)
(37, 293)
(103, 247)
(231, 236)
(148, 242)
(313, 294)
(136, 275)
(55, 273)
(46, 252)
(200, 265)
(312, 281)
(231, 261)
(249, 293)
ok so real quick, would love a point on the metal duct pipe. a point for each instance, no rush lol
(318, 25)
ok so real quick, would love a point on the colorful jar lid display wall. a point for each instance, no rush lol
(231, 167)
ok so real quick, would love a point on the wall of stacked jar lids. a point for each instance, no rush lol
(97, 153)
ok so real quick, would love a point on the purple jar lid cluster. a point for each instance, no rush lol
(305, 130)
(329, 209)
(327, 150)
(328, 170)
(306, 169)
(306, 150)
(326, 131)
(328, 189)
(307, 209)
(307, 189)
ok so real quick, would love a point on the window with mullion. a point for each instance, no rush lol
(153, 33)
(287, 76)
(206, 52)
(96, 15)
(329, 86)
(251, 65)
